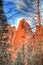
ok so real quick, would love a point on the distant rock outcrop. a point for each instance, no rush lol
(24, 35)
(21, 36)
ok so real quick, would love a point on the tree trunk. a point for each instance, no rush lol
(39, 20)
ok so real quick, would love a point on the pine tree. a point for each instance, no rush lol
(38, 57)
(23, 53)
(18, 60)
(29, 53)
(5, 57)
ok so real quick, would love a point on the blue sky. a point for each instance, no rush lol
(15, 10)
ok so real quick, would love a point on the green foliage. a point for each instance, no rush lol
(38, 47)
(23, 53)
(18, 60)
(19, 63)
(5, 56)
(31, 59)
(18, 56)
(38, 59)
(29, 50)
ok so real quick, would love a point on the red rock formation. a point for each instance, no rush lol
(39, 36)
(39, 33)
(23, 35)
(20, 36)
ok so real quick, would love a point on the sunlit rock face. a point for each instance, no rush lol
(21, 36)
(11, 35)
(12, 31)
(24, 35)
